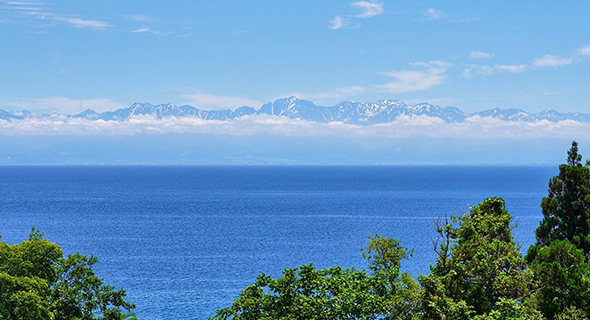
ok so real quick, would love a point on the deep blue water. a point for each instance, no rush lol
(184, 241)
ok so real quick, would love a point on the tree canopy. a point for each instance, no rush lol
(307, 293)
(481, 266)
(566, 210)
(38, 283)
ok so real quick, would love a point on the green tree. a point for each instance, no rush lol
(566, 210)
(334, 293)
(478, 264)
(561, 279)
(37, 282)
(511, 309)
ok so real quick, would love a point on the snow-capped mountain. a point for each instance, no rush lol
(5, 115)
(381, 111)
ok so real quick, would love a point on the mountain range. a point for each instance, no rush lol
(382, 111)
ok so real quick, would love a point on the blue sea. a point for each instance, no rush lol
(184, 241)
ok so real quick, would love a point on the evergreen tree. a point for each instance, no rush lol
(561, 280)
(566, 210)
(478, 265)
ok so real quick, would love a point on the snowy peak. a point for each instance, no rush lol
(362, 113)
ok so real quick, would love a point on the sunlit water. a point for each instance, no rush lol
(184, 241)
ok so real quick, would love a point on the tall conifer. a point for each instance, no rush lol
(566, 210)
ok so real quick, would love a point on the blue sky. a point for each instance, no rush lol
(70, 55)
(66, 56)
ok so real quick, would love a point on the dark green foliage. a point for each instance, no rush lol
(559, 261)
(572, 313)
(478, 264)
(511, 309)
(566, 209)
(561, 278)
(37, 282)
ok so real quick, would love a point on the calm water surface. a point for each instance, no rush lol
(184, 241)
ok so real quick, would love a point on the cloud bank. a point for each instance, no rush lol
(403, 126)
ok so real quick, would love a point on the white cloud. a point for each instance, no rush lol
(141, 30)
(26, 8)
(17, 3)
(551, 61)
(478, 70)
(545, 61)
(416, 80)
(432, 64)
(337, 23)
(369, 9)
(213, 102)
(63, 105)
(137, 17)
(432, 14)
(512, 68)
(74, 21)
(480, 55)
(584, 51)
(81, 23)
(402, 127)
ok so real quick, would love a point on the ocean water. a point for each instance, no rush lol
(184, 241)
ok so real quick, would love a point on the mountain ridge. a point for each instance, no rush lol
(381, 111)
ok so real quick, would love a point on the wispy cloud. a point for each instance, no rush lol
(542, 62)
(72, 20)
(26, 6)
(337, 23)
(82, 23)
(512, 68)
(18, 3)
(433, 14)
(137, 17)
(584, 51)
(369, 9)
(478, 70)
(416, 80)
(480, 55)
(213, 102)
(551, 61)
(141, 30)
(143, 19)
(63, 105)
(39, 11)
